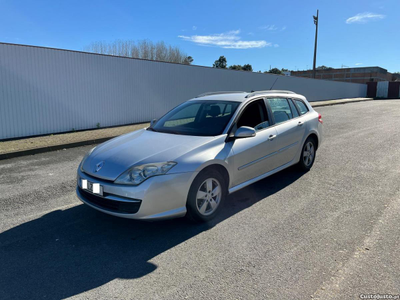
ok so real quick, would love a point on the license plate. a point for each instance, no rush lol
(94, 188)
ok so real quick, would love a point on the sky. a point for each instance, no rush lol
(265, 34)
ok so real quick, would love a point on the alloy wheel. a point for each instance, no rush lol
(308, 154)
(208, 196)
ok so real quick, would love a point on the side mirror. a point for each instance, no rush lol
(245, 132)
(152, 122)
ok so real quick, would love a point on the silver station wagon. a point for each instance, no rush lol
(188, 161)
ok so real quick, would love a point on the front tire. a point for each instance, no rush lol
(308, 154)
(206, 196)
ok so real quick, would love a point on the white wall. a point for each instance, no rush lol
(45, 91)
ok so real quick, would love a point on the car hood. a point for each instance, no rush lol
(136, 148)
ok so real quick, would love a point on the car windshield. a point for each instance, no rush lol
(200, 118)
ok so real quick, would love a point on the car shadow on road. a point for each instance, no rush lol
(67, 252)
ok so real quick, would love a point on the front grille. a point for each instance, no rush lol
(111, 205)
(93, 178)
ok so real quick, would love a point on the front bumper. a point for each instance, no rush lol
(159, 197)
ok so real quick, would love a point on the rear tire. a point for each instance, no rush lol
(308, 153)
(206, 196)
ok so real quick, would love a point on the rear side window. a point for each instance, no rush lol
(302, 107)
(281, 109)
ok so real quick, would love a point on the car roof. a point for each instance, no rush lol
(244, 96)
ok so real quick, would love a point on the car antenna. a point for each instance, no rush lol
(274, 83)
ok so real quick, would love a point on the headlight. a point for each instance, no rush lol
(137, 174)
(86, 156)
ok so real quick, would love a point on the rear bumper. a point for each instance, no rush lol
(320, 134)
(159, 197)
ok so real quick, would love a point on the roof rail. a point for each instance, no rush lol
(269, 92)
(220, 92)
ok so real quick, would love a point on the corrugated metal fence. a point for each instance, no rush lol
(383, 89)
(45, 90)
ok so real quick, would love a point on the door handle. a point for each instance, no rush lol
(272, 136)
(300, 123)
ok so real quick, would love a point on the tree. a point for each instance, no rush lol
(188, 60)
(247, 67)
(236, 67)
(220, 63)
(396, 76)
(324, 68)
(275, 71)
(143, 49)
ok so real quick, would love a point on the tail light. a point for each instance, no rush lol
(320, 118)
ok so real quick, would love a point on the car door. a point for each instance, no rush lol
(290, 129)
(253, 156)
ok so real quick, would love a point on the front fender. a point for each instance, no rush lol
(215, 152)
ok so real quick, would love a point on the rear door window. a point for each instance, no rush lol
(294, 109)
(281, 109)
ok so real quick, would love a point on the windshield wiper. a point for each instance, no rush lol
(172, 132)
(151, 129)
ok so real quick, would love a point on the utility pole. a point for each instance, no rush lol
(315, 46)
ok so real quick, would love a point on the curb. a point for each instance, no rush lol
(52, 148)
(102, 140)
(337, 103)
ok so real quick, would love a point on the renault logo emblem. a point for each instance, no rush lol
(99, 166)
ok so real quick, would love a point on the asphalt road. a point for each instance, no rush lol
(331, 233)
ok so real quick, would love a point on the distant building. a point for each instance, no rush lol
(356, 75)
